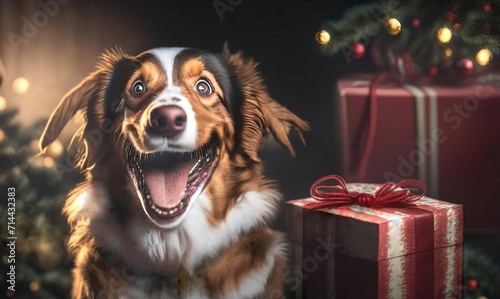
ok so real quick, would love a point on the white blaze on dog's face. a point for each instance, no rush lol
(174, 118)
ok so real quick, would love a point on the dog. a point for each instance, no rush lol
(174, 203)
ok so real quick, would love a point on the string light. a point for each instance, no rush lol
(323, 37)
(393, 26)
(483, 57)
(444, 35)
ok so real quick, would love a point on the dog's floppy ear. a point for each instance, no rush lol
(259, 111)
(105, 85)
(74, 100)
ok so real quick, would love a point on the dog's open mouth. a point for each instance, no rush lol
(169, 181)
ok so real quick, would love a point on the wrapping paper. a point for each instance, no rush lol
(360, 252)
(445, 136)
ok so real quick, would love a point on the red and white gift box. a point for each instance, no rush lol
(360, 252)
(445, 136)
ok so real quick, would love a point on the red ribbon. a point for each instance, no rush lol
(389, 195)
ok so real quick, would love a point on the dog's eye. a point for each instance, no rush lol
(203, 88)
(138, 88)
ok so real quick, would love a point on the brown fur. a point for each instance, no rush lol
(98, 269)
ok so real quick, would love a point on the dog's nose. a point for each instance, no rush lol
(168, 121)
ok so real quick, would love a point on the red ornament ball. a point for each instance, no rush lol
(415, 22)
(457, 25)
(433, 71)
(487, 26)
(450, 15)
(463, 67)
(357, 50)
(487, 7)
(472, 285)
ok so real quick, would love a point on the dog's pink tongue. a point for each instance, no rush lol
(167, 187)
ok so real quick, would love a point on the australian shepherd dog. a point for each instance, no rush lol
(174, 204)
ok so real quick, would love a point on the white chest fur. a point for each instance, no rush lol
(148, 249)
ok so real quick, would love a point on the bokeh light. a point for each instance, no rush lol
(55, 149)
(21, 85)
(444, 35)
(483, 57)
(34, 286)
(3, 103)
(48, 162)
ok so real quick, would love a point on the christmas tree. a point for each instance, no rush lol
(481, 267)
(446, 39)
(34, 226)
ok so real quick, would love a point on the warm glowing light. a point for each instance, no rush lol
(2, 135)
(34, 146)
(34, 286)
(444, 35)
(393, 26)
(448, 52)
(16, 171)
(48, 162)
(483, 57)
(3, 104)
(55, 149)
(323, 37)
(20, 85)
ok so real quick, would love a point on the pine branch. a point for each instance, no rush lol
(359, 23)
(474, 31)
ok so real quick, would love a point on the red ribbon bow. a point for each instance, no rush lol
(389, 195)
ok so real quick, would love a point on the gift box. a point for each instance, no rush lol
(360, 252)
(445, 136)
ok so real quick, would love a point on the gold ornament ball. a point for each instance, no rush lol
(444, 35)
(393, 26)
(323, 37)
(34, 146)
(483, 57)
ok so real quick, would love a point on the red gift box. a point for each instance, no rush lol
(360, 252)
(446, 136)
